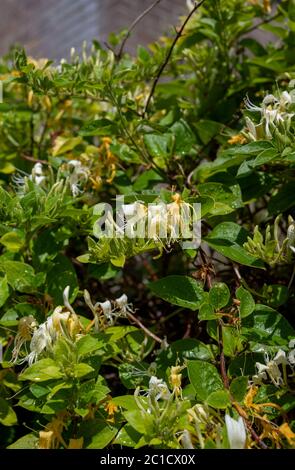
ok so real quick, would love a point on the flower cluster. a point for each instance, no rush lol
(107, 312)
(275, 117)
(271, 368)
(37, 176)
(43, 337)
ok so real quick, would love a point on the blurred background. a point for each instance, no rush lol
(49, 28)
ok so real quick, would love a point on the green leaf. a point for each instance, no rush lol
(97, 433)
(204, 378)
(102, 127)
(7, 415)
(238, 388)
(247, 303)
(87, 344)
(4, 290)
(245, 364)
(158, 145)
(267, 326)
(206, 312)
(29, 441)
(184, 349)
(219, 295)
(127, 436)
(141, 423)
(39, 390)
(59, 277)
(232, 340)
(147, 180)
(226, 199)
(21, 276)
(231, 157)
(81, 369)
(219, 399)
(207, 130)
(184, 137)
(179, 290)
(275, 294)
(13, 241)
(119, 261)
(45, 369)
(264, 157)
(283, 199)
(63, 145)
(291, 10)
(227, 238)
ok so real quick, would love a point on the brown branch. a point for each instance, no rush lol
(34, 160)
(132, 26)
(266, 21)
(144, 328)
(164, 64)
(221, 357)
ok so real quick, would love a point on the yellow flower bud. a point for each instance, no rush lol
(46, 439)
(76, 443)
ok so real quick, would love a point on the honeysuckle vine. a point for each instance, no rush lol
(138, 331)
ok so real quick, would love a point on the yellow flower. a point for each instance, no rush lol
(76, 443)
(52, 436)
(267, 6)
(38, 63)
(46, 440)
(111, 409)
(175, 379)
(287, 433)
(237, 139)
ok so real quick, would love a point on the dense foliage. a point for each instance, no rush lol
(119, 341)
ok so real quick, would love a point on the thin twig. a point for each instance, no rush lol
(34, 160)
(256, 26)
(132, 26)
(144, 328)
(163, 65)
(32, 143)
(221, 357)
(237, 273)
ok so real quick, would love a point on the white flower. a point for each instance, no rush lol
(251, 106)
(123, 305)
(135, 216)
(271, 369)
(186, 440)
(236, 432)
(107, 310)
(158, 389)
(42, 340)
(59, 323)
(285, 99)
(291, 357)
(79, 174)
(37, 175)
(280, 357)
(157, 221)
(272, 111)
(26, 327)
(291, 354)
(251, 128)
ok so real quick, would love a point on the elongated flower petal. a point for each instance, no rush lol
(236, 432)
